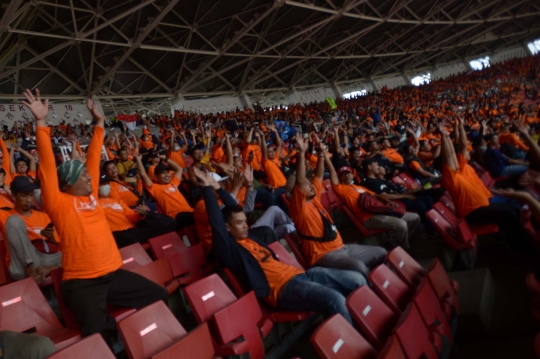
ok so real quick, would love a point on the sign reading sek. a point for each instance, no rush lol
(70, 113)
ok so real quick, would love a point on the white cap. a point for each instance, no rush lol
(218, 178)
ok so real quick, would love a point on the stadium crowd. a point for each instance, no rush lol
(241, 180)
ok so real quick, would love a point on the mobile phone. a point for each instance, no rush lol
(49, 226)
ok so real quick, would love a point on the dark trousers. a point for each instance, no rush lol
(434, 193)
(184, 219)
(507, 217)
(152, 226)
(420, 205)
(88, 299)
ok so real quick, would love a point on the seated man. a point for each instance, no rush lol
(120, 189)
(498, 164)
(321, 242)
(124, 163)
(391, 153)
(166, 193)
(25, 229)
(131, 226)
(285, 287)
(471, 197)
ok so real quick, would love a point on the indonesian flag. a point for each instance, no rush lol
(130, 121)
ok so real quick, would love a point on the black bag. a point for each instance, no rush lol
(330, 231)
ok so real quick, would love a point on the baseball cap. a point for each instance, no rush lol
(103, 179)
(344, 169)
(22, 184)
(161, 168)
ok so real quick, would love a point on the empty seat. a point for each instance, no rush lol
(374, 317)
(450, 233)
(196, 345)
(445, 289)
(134, 256)
(210, 295)
(448, 203)
(413, 336)
(70, 321)
(392, 350)
(91, 347)
(24, 307)
(479, 230)
(159, 272)
(187, 264)
(150, 330)
(393, 291)
(4, 274)
(405, 266)
(429, 307)
(166, 244)
(335, 338)
(284, 256)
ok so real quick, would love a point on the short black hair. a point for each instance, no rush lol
(108, 163)
(228, 211)
(367, 162)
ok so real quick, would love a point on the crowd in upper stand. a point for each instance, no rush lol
(240, 180)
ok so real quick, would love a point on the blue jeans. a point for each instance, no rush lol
(513, 170)
(321, 290)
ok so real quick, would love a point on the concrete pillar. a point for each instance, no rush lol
(246, 101)
(337, 91)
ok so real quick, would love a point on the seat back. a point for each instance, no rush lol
(166, 244)
(69, 318)
(134, 256)
(294, 244)
(442, 285)
(393, 291)
(4, 273)
(409, 181)
(239, 319)
(405, 266)
(208, 296)
(429, 307)
(186, 264)
(457, 235)
(335, 338)
(150, 330)
(89, 348)
(446, 212)
(196, 345)
(237, 286)
(24, 307)
(392, 350)
(413, 336)
(158, 272)
(447, 201)
(374, 317)
(284, 256)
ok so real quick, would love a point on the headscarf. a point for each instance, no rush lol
(68, 173)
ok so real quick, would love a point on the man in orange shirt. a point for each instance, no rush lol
(166, 193)
(321, 242)
(321, 290)
(472, 199)
(131, 226)
(119, 189)
(25, 228)
(90, 258)
(391, 153)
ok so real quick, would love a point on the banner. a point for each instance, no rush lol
(70, 113)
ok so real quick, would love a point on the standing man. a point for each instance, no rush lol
(92, 276)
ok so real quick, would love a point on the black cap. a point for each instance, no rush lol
(103, 179)
(161, 168)
(22, 184)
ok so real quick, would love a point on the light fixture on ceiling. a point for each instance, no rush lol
(9, 116)
(25, 116)
(67, 115)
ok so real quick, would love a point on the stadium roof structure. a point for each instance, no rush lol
(155, 50)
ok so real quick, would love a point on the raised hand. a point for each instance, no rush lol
(248, 175)
(301, 143)
(39, 109)
(94, 111)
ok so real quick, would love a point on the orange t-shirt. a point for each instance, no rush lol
(123, 192)
(177, 157)
(349, 195)
(88, 246)
(119, 215)
(393, 155)
(169, 198)
(274, 175)
(257, 156)
(277, 273)
(308, 221)
(466, 189)
(202, 225)
(218, 153)
(35, 223)
(513, 139)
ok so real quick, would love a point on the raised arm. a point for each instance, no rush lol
(264, 149)
(415, 139)
(279, 142)
(462, 138)
(319, 170)
(12, 168)
(228, 149)
(534, 149)
(447, 149)
(93, 153)
(142, 172)
(301, 159)
(31, 159)
(334, 179)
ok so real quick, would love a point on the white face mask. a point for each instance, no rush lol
(104, 190)
(176, 148)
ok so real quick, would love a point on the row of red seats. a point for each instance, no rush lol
(401, 319)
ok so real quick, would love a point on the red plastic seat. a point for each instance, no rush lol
(166, 244)
(187, 264)
(365, 232)
(191, 233)
(479, 230)
(89, 348)
(24, 307)
(4, 273)
(448, 203)
(413, 336)
(392, 290)
(70, 321)
(278, 316)
(159, 272)
(294, 244)
(196, 345)
(150, 331)
(409, 181)
(284, 256)
(429, 307)
(134, 256)
(392, 350)
(445, 289)
(451, 234)
(210, 295)
(405, 266)
(374, 317)
(398, 180)
(335, 338)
